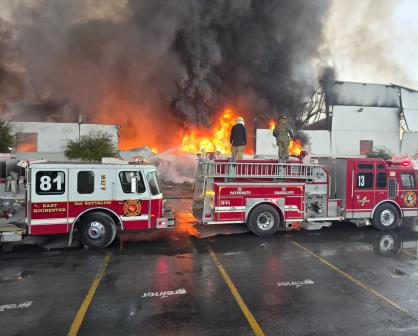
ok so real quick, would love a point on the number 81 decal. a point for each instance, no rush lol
(46, 183)
(50, 182)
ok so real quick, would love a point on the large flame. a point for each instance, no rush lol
(215, 140)
(295, 147)
(139, 124)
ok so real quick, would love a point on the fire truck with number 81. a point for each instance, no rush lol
(92, 201)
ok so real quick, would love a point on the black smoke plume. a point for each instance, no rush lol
(12, 84)
(185, 58)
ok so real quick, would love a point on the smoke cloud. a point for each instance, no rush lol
(362, 45)
(160, 64)
(11, 79)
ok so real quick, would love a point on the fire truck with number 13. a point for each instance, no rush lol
(268, 196)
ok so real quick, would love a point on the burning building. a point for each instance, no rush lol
(348, 119)
(166, 72)
(172, 75)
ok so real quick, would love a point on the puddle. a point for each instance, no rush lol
(398, 272)
(16, 277)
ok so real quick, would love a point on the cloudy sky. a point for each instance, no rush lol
(374, 41)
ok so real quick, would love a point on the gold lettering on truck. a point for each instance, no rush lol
(49, 205)
(93, 203)
(103, 182)
(50, 210)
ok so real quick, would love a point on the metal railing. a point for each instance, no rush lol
(259, 170)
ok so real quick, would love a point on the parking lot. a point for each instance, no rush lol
(343, 280)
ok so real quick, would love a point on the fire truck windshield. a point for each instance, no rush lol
(154, 184)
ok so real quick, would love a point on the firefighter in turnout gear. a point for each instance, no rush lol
(238, 139)
(282, 132)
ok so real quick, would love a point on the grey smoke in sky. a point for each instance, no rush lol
(186, 59)
(371, 41)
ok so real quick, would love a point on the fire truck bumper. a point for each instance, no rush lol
(166, 222)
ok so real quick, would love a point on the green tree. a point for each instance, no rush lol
(7, 139)
(91, 147)
(380, 152)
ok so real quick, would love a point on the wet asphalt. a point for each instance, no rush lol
(338, 281)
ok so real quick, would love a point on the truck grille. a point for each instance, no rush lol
(392, 188)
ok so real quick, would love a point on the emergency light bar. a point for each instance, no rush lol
(404, 163)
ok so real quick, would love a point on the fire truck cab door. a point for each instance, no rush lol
(407, 195)
(49, 201)
(363, 188)
(133, 207)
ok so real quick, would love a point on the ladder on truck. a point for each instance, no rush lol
(230, 171)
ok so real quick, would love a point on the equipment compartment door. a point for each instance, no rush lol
(230, 204)
(230, 209)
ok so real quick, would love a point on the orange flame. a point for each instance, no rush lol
(295, 147)
(272, 124)
(216, 140)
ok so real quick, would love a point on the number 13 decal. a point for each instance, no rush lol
(360, 180)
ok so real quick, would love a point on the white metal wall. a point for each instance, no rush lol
(364, 94)
(319, 143)
(409, 143)
(265, 142)
(410, 108)
(52, 136)
(351, 124)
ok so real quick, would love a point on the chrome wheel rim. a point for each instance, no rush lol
(265, 221)
(386, 243)
(387, 217)
(96, 231)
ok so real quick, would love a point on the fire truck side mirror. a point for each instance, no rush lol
(134, 184)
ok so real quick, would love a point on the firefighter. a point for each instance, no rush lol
(238, 139)
(282, 132)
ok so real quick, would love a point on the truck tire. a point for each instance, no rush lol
(98, 230)
(386, 217)
(264, 220)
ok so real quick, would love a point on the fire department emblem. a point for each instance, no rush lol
(131, 208)
(410, 199)
(363, 200)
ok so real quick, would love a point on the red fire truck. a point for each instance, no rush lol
(92, 201)
(269, 196)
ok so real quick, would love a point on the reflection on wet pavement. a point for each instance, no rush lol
(165, 283)
(186, 227)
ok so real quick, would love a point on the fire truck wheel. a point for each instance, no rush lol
(264, 220)
(97, 230)
(385, 217)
